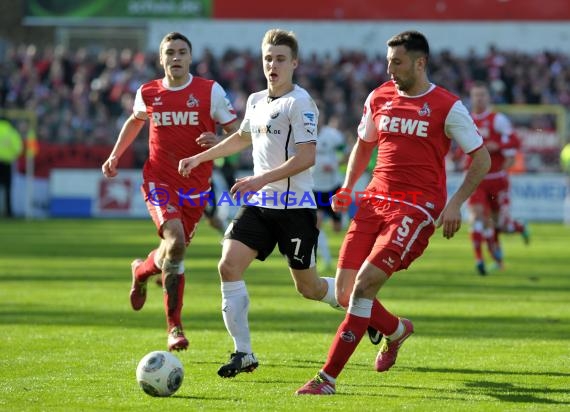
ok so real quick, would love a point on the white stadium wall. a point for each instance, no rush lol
(86, 193)
(368, 36)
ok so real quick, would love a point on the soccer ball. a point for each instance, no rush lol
(160, 373)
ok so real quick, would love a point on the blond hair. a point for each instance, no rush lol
(278, 37)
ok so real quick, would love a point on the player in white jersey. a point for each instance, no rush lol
(327, 180)
(281, 125)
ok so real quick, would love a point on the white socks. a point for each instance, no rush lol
(235, 307)
(360, 307)
(330, 295)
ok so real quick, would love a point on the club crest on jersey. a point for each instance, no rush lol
(425, 110)
(192, 101)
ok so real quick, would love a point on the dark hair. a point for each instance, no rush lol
(413, 41)
(175, 36)
(480, 84)
(278, 37)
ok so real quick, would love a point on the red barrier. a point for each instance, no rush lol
(53, 155)
(494, 10)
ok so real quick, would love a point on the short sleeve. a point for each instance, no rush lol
(139, 106)
(502, 124)
(245, 125)
(304, 119)
(460, 127)
(222, 110)
(366, 128)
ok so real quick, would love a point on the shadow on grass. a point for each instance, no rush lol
(483, 372)
(503, 392)
(285, 321)
(507, 392)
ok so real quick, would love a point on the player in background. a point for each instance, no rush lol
(412, 122)
(280, 123)
(326, 181)
(183, 111)
(489, 205)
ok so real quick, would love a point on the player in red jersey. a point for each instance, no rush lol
(412, 122)
(489, 204)
(183, 111)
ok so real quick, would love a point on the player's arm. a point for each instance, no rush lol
(127, 135)
(358, 160)
(304, 117)
(236, 142)
(209, 139)
(303, 159)
(450, 218)
(460, 127)
(223, 112)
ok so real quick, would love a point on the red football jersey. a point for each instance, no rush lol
(496, 127)
(177, 118)
(413, 135)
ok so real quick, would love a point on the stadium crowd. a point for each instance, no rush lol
(81, 96)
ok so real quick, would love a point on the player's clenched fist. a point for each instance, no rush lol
(186, 165)
(207, 140)
(109, 168)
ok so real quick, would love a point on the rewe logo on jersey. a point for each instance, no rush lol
(412, 127)
(175, 118)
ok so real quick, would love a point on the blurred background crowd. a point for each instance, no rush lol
(82, 96)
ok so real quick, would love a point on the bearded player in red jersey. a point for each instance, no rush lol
(489, 204)
(183, 111)
(412, 122)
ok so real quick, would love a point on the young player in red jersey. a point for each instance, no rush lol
(183, 111)
(489, 204)
(412, 122)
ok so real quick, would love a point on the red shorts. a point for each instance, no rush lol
(163, 205)
(493, 194)
(390, 235)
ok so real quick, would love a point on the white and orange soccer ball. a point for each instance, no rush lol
(160, 373)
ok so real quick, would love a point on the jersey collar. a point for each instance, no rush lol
(166, 86)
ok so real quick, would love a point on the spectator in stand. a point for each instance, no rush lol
(69, 89)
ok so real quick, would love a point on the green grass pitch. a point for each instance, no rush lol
(70, 342)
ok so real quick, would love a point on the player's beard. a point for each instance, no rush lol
(405, 84)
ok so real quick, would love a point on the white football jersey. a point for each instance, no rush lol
(277, 126)
(326, 174)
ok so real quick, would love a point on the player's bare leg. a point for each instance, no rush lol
(173, 282)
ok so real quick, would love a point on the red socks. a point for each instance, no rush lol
(347, 337)
(147, 268)
(173, 298)
(477, 240)
(383, 320)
